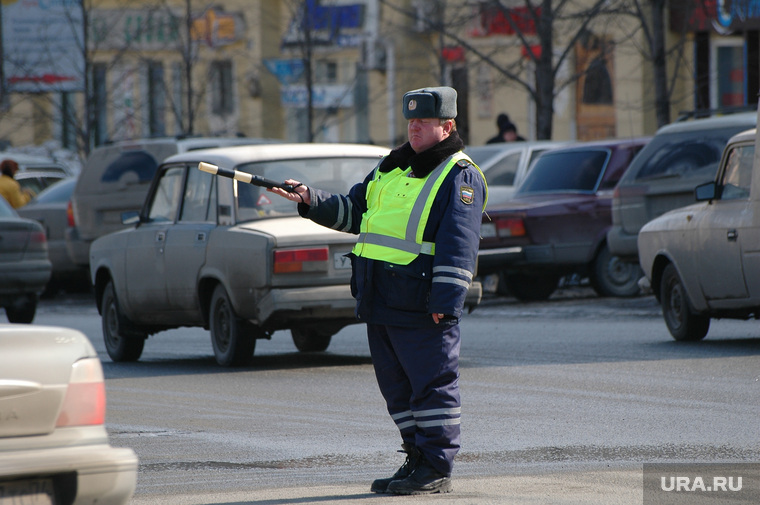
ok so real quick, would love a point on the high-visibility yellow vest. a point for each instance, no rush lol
(392, 231)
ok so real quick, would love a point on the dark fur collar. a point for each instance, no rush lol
(426, 161)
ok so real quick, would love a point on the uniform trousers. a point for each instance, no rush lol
(417, 370)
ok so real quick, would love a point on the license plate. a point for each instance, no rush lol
(27, 492)
(341, 262)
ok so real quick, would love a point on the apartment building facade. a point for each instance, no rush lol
(335, 70)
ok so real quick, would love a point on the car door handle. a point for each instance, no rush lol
(200, 237)
(160, 236)
(731, 235)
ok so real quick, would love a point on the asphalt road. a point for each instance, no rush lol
(563, 402)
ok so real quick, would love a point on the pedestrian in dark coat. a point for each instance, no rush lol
(507, 131)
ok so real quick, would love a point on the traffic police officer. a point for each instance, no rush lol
(418, 217)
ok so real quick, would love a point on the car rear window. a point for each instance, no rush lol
(335, 175)
(113, 166)
(677, 158)
(688, 154)
(136, 163)
(565, 171)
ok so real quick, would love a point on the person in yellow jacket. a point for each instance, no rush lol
(10, 189)
(417, 216)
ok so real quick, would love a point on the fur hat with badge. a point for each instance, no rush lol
(438, 102)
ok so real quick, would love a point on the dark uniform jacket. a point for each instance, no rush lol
(403, 295)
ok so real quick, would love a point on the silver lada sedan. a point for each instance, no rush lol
(212, 252)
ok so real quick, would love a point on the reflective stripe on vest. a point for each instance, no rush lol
(381, 237)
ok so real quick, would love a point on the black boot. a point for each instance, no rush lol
(424, 480)
(412, 457)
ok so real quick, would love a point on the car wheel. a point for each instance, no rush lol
(531, 288)
(22, 310)
(123, 343)
(682, 323)
(233, 344)
(611, 276)
(311, 339)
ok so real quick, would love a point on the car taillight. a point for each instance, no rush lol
(37, 242)
(70, 215)
(301, 260)
(85, 400)
(37, 238)
(511, 227)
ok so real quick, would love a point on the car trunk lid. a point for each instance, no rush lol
(315, 254)
(19, 237)
(31, 395)
(292, 231)
(537, 211)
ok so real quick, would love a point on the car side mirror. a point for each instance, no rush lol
(706, 191)
(130, 217)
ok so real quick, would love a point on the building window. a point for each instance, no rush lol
(156, 99)
(727, 72)
(597, 86)
(221, 87)
(326, 72)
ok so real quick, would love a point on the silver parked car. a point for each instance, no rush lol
(701, 260)
(211, 252)
(52, 209)
(24, 264)
(54, 447)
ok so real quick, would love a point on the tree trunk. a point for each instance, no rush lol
(545, 74)
(662, 100)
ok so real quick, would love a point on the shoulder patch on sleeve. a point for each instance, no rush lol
(463, 163)
(466, 194)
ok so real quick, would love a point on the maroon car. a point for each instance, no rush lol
(556, 224)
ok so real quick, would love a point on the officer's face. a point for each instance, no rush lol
(427, 132)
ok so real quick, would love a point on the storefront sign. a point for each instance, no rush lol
(723, 16)
(156, 30)
(287, 71)
(336, 24)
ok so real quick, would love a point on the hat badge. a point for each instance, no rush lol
(412, 104)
